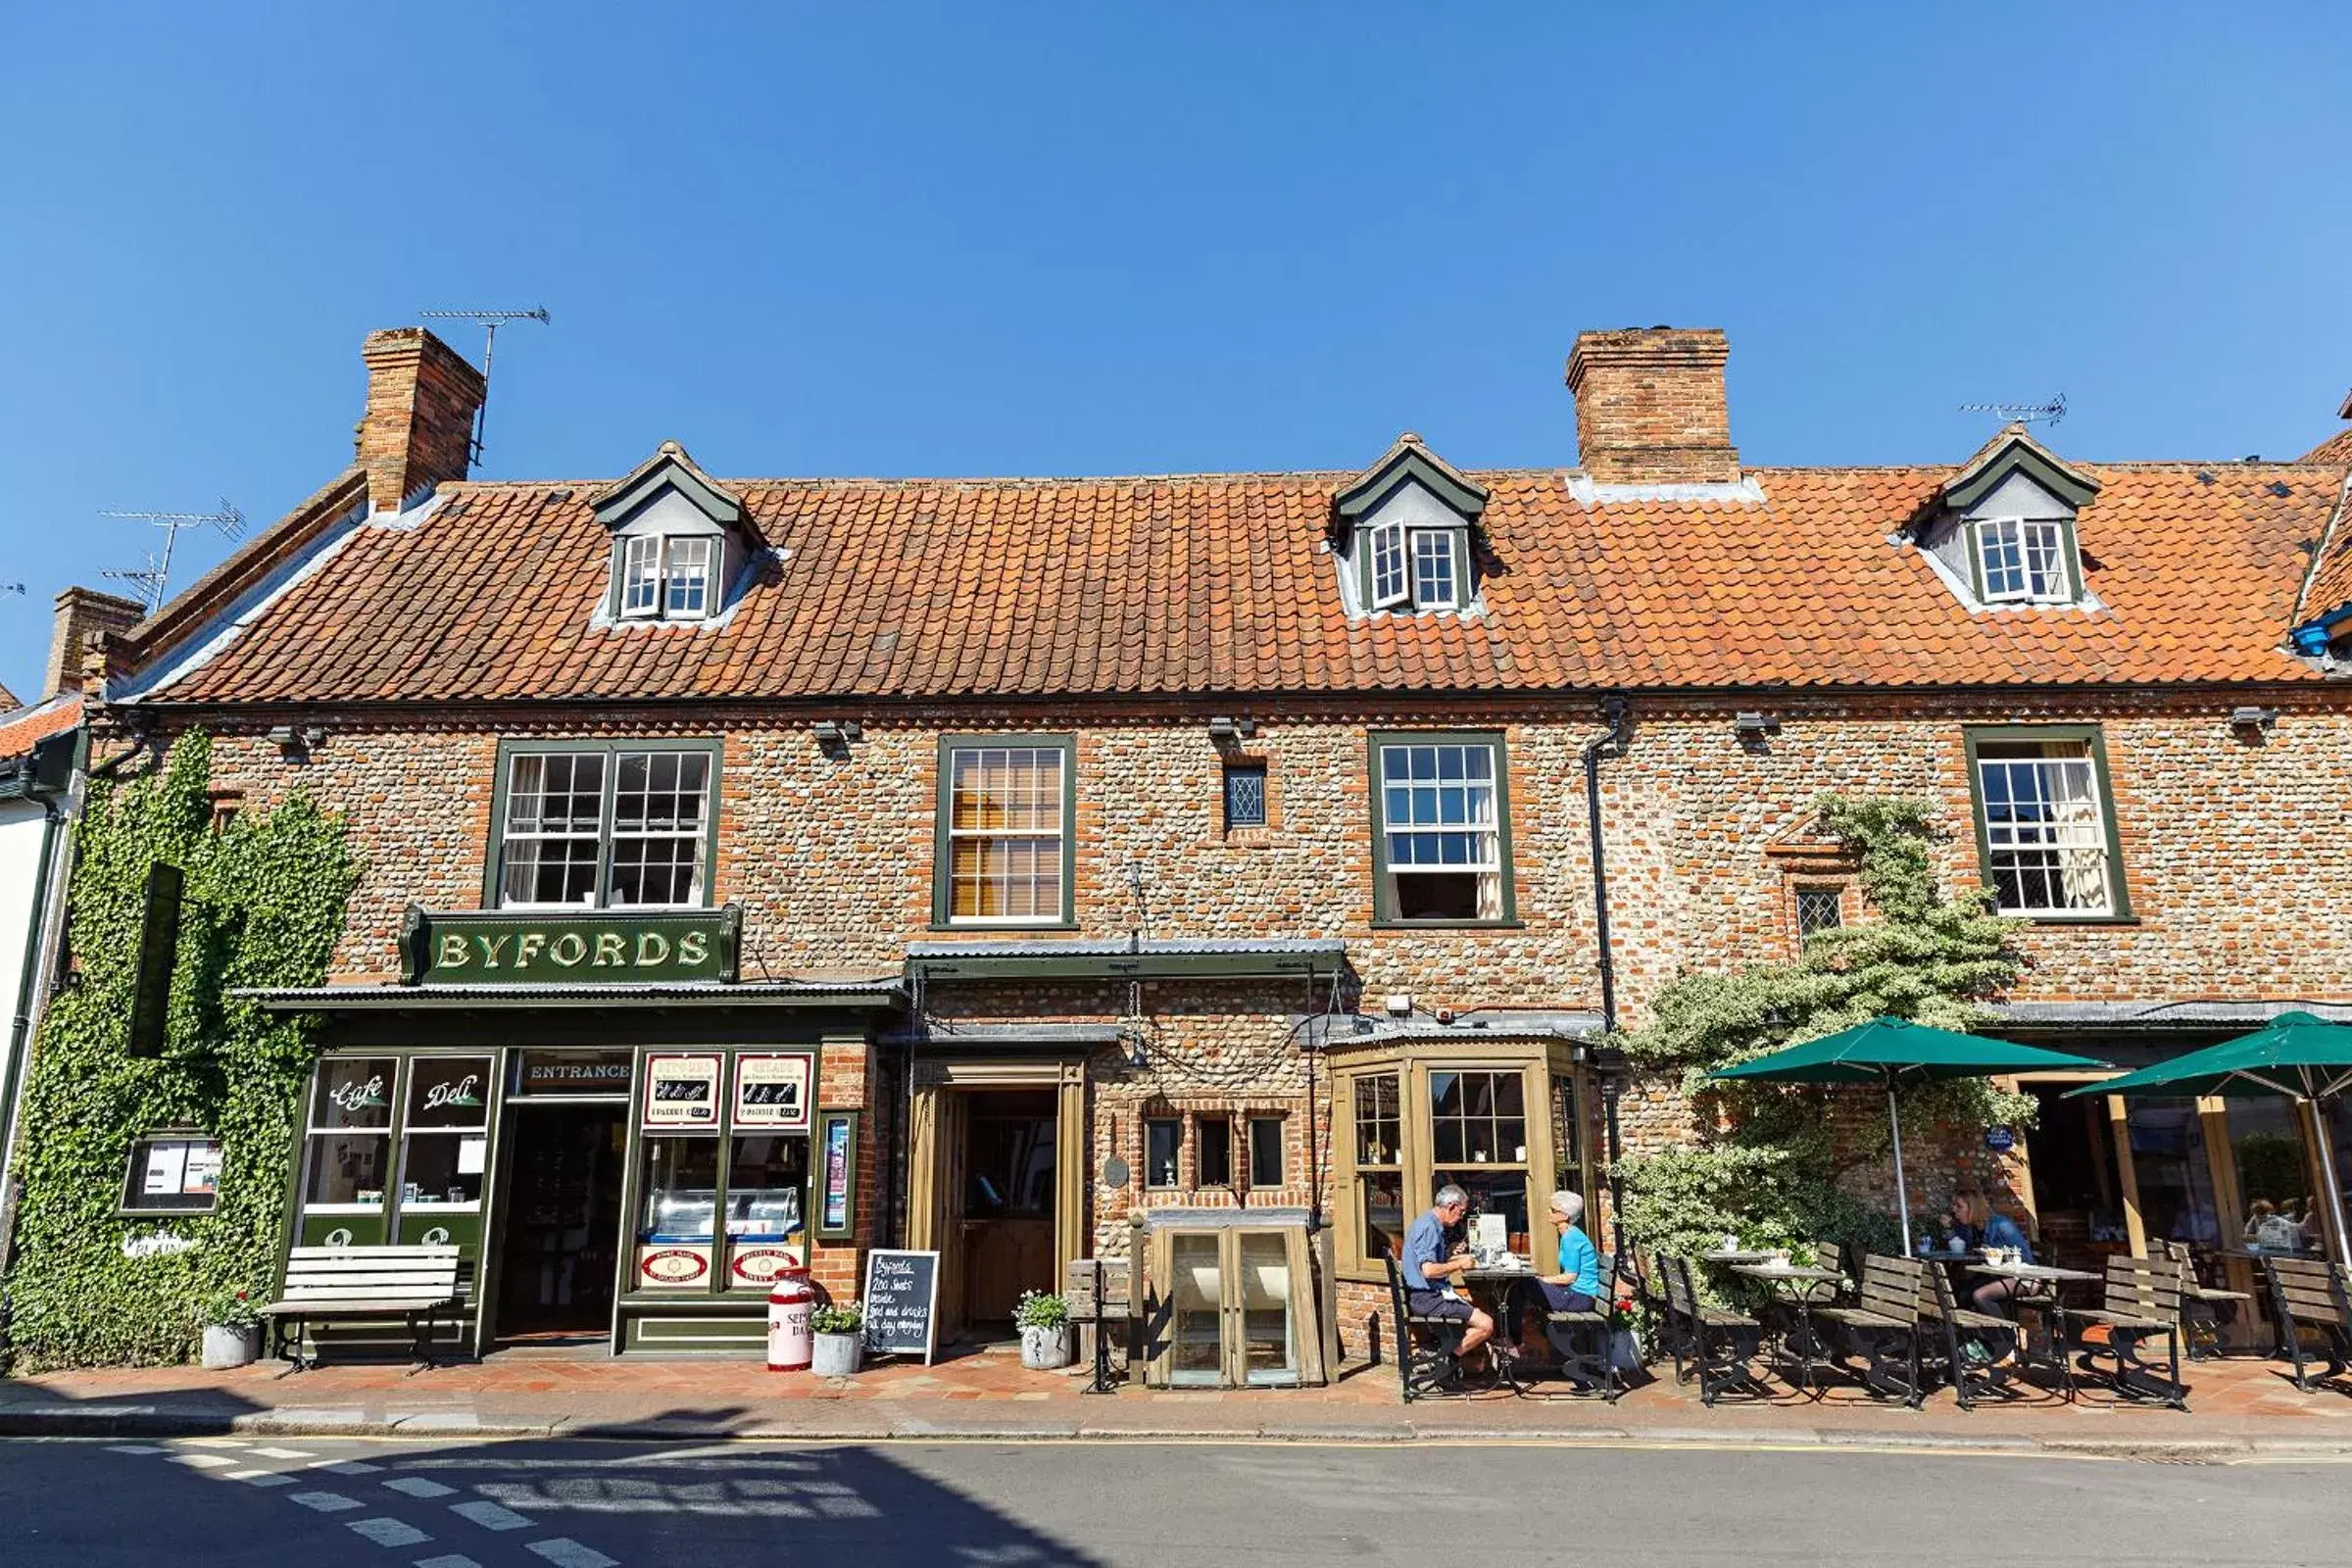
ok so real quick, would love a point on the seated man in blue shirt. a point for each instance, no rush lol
(1427, 1271)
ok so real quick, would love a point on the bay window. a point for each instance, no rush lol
(1496, 1119)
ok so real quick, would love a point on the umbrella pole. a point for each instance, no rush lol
(1902, 1196)
(2335, 1191)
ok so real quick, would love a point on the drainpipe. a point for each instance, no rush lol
(1615, 712)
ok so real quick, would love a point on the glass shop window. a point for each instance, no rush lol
(1379, 1165)
(767, 1176)
(445, 1141)
(349, 1136)
(681, 1188)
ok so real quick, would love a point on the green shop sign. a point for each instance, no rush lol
(589, 946)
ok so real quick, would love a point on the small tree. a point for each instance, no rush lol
(1765, 1163)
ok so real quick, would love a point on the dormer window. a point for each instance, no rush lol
(677, 541)
(2001, 531)
(1401, 534)
(2023, 559)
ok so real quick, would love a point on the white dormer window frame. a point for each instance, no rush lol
(2023, 561)
(1436, 567)
(667, 576)
(686, 577)
(1391, 572)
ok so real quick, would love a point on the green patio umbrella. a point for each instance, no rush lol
(2294, 1057)
(1894, 1051)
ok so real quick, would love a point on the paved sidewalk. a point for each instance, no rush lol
(2238, 1408)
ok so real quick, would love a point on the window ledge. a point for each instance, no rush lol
(994, 928)
(1449, 925)
(2078, 919)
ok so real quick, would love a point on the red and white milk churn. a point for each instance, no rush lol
(790, 1345)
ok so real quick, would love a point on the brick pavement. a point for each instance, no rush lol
(2238, 1406)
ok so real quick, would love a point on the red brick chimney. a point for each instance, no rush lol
(418, 427)
(1650, 408)
(81, 612)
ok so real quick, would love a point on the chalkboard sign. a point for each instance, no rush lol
(901, 1303)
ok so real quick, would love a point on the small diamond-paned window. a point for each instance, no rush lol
(1245, 795)
(1819, 909)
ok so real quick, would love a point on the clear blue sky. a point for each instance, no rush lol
(1140, 238)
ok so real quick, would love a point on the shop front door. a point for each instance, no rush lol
(559, 1231)
(1004, 1216)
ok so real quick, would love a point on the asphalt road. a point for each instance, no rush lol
(94, 1505)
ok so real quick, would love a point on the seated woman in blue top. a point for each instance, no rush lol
(1578, 1286)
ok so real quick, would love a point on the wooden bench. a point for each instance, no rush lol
(1971, 1379)
(1581, 1339)
(2202, 1307)
(1422, 1373)
(1723, 1345)
(2142, 1299)
(2309, 1291)
(415, 1285)
(1883, 1322)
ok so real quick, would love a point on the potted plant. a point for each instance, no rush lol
(839, 1331)
(1043, 1319)
(232, 1329)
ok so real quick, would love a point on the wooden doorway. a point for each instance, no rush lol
(997, 1179)
(1003, 1205)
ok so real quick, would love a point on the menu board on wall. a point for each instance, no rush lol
(681, 1093)
(771, 1093)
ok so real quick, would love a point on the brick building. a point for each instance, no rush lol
(1032, 869)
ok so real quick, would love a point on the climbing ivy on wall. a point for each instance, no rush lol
(262, 906)
(1764, 1162)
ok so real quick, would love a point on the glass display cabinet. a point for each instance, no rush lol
(1233, 1300)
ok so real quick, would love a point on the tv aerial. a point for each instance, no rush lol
(153, 580)
(489, 322)
(2050, 413)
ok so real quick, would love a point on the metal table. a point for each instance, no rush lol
(1504, 1351)
(2050, 1355)
(1794, 1288)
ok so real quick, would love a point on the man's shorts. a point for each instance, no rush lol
(1438, 1305)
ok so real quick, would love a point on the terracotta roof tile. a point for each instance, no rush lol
(27, 727)
(1218, 583)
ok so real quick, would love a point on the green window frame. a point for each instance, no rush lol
(945, 833)
(2091, 739)
(494, 861)
(1385, 902)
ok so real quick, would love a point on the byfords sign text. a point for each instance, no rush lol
(587, 948)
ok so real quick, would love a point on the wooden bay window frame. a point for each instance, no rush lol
(1540, 1062)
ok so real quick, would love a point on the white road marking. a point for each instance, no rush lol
(324, 1501)
(283, 1453)
(490, 1516)
(565, 1553)
(389, 1532)
(348, 1467)
(261, 1478)
(418, 1486)
(453, 1560)
(216, 1443)
(204, 1461)
(132, 1447)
